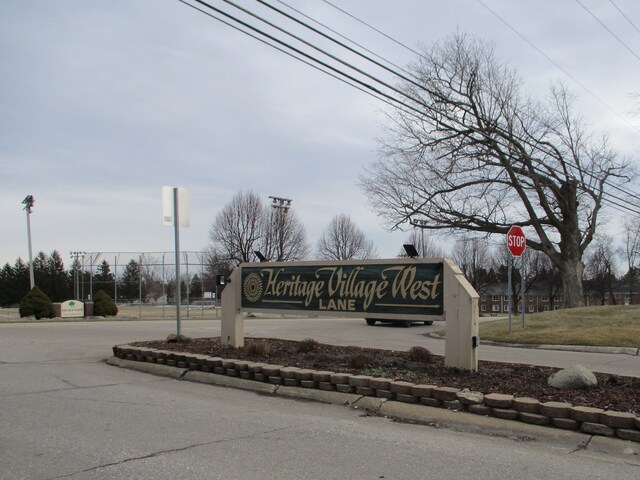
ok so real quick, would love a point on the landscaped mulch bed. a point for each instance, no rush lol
(614, 392)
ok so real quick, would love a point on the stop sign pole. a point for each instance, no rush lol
(516, 243)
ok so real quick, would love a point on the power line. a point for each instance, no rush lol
(365, 85)
(625, 16)
(376, 63)
(282, 50)
(617, 187)
(372, 28)
(344, 37)
(608, 29)
(557, 65)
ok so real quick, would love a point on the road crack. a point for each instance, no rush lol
(170, 450)
(583, 446)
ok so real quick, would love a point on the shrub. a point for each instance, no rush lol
(173, 338)
(36, 303)
(103, 305)
(308, 345)
(360, 360)
(260, 348)
(420, 354)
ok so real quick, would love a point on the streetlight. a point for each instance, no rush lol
(421, 224)
(282, 205)
(28, 205)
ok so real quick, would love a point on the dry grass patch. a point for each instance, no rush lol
(607, 326)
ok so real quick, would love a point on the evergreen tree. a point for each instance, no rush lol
(73, 278)
(57, 282)
(40, 272)
(183, 290)
(103, 279)
(36, 303)
(7, 286)
(103, 305)
(22, 285)
(195, 287)
(129, 286)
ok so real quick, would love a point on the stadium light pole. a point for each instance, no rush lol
(28, 205)
(76, 287)
(282, 205)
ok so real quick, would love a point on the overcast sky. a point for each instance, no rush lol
(104, 102)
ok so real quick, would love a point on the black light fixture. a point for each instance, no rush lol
(221, 280)
(260, 256)
(411, 250)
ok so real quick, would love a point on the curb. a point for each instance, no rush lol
(380, 396)
(564, 348)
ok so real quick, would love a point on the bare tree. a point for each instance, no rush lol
(238, 228)
(532, 265)
(151, 274)
(473, 256)
(285, 237)
(469, 152)
(600, 268)
(343, 240)
(632, 252)
(246, 225)
(426, 246)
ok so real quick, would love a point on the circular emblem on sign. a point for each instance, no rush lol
(252, 287)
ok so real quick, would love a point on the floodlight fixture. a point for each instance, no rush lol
(260, 256)
(411, 250)
(28, 203)
(280, 203)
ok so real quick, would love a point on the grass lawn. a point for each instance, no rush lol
(609, 326)
(128, 312)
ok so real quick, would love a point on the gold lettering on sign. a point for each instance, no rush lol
(406, 286)
(291, 288)
(338, 288)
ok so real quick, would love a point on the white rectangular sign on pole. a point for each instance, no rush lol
(175, 212)
(167, 207)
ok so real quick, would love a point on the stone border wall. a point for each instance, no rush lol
(593, 421)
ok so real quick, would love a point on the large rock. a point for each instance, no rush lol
(573, 378)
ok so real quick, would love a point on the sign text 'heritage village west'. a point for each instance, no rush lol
(372, 288)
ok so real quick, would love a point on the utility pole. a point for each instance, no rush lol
(282, 205)
(28, 205)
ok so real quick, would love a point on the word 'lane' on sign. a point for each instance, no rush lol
(372, 288)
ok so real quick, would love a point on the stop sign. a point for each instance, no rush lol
(516, 241)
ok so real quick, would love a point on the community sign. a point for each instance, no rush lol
(377, 289)
(72, 308)
(394, 289)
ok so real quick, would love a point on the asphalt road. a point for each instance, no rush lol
(66, 414)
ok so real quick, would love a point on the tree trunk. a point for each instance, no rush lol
(571, 273)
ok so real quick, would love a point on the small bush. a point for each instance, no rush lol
(420, 354)
(36, 303)
(103, 305)
(308, 345)
(360, 360)
(173, 338)
(260, 348)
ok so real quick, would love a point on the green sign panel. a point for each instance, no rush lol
(403, 288)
